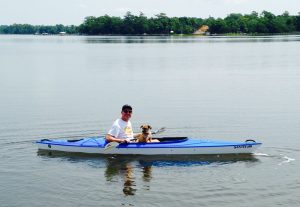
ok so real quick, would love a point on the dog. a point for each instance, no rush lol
(146, 135)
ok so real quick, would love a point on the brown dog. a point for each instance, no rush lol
(146, 135)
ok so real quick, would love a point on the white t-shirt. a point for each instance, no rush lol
(121, 129)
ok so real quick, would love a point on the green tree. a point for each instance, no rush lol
(235, 23)
(128, 24)
(218, 26)
(297, 22)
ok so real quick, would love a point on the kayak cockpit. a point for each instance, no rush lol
(171, 139)
(160, 139)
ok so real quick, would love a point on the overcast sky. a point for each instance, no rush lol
(73, 11)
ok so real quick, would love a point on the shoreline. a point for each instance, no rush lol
(163, 35)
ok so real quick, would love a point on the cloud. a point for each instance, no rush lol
(123, 10)
(236, 1)
(83, 6)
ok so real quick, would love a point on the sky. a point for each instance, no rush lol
(67, 12)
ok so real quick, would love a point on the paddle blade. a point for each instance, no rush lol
(159, 130)
(111, 145)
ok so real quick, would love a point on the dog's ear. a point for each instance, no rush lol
(141, 126)
(149, 127)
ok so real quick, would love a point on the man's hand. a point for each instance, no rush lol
(125, 141)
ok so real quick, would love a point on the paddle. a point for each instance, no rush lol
(159, 130)
(113, 145)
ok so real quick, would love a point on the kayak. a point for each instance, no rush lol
(165, 146)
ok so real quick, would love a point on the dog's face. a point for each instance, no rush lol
(146, 129)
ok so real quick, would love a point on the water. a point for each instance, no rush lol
(207, 87)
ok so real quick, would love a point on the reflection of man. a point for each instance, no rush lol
(129, 182)
(121, 130)
(125, 169)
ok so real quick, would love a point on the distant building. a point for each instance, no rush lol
(62, 33)
(202, 30)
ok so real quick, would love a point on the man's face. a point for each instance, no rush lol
(126, 114)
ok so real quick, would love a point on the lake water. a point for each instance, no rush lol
(228, 88)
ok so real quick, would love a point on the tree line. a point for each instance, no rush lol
(139, 24)
(254, 23)
(39, 29)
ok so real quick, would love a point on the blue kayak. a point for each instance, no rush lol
(165, 146)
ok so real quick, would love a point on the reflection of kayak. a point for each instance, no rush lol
(166, 146)
(118, 161)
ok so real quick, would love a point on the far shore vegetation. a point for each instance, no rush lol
(160, 24)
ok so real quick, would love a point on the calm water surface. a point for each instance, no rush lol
(207, 87)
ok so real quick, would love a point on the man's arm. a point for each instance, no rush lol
(114, 139)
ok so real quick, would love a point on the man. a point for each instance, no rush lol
(121, 130)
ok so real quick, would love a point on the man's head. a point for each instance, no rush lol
(126, 112)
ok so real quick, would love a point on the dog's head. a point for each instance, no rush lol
(146, 129)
